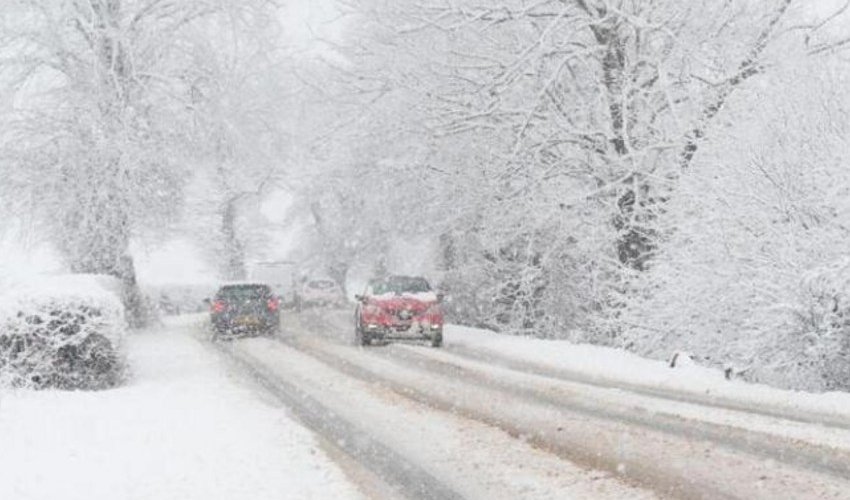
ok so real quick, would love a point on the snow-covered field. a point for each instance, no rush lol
(181, 429)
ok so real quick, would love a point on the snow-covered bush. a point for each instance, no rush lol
(64, 332)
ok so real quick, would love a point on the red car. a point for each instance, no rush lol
(399, 308)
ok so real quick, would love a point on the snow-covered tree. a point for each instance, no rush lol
(557, 131)
(244, 110)
(93, 133)
(755, 275)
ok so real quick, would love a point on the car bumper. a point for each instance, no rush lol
(245, 324)
(403, 332)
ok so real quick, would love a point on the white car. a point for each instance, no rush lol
(320, 292)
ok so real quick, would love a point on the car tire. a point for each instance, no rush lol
(360, 337)
(437, 340)
(272, 331)
(217, 333)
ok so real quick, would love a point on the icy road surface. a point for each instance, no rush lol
(182, 429)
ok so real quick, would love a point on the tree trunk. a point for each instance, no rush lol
(234, 267)
(100, 244)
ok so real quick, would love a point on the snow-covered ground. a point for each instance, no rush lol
(617, 367)
(181, 429)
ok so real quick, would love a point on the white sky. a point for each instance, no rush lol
(309, 22)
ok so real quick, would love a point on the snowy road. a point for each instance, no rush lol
(434, 453)
(671, 447)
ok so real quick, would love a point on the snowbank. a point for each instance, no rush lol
(617, 367)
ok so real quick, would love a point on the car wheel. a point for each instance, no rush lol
(437, 340)
(272, 331)
(361, 338)
(217, 333)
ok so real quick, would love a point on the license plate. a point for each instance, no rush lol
(247, 321)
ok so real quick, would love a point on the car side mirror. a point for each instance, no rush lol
(360, 298)
(207, 301)
(441, 296)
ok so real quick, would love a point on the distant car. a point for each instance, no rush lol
(319, 292)
(399, 308)
(245, 308)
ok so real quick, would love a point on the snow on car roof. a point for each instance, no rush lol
(420, 296)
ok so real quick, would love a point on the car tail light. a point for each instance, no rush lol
(219, 306)
(273, 304)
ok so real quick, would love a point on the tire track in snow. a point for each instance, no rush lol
(645, 469)
(401, 474)
(795, 452)
(332, 329)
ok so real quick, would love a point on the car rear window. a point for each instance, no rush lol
(400, 284)
(244, 292)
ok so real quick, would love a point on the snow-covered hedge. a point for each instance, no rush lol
(62, 331)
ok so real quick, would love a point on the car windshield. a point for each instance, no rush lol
(399, 285)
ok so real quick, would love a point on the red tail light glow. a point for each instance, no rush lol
(219, 306)
(273, 304)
